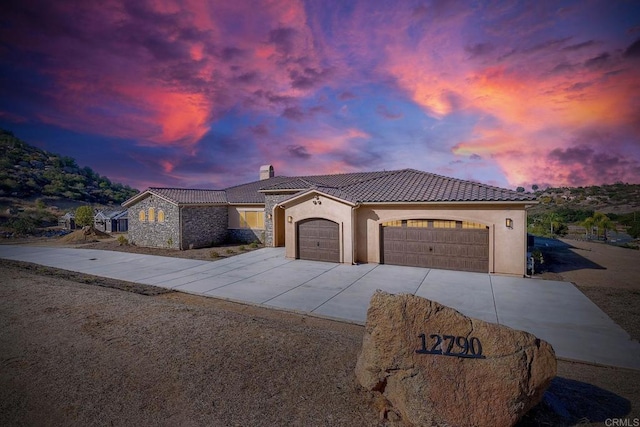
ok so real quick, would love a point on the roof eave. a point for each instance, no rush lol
(319, 192)
(135, 199)
(280, 191)
(456, 202)
(202, 204)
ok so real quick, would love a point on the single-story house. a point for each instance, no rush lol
(67, 221)
(402, 217)
(111, 221)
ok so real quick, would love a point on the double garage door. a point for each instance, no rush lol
(319, 240)
(444, 248)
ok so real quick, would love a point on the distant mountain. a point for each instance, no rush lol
(27, 172)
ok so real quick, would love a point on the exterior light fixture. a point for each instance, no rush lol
(509, 223)
(289, 219)
(268, 216)
(317, 201)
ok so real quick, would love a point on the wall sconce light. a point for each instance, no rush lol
(268, 216)
(289, 219)
(317, 201)
(509, 223)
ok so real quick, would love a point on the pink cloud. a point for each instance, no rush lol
(168, 69)
(532, 111)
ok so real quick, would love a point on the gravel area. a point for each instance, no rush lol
(78, 354)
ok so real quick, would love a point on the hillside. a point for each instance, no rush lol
(616, 198)
(568, 207)
(27, 172)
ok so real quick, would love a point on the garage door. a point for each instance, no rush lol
(449, 245)
(319, 240)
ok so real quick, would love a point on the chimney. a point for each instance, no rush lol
(266, 172)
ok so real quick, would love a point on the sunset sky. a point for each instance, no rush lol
(201, 93)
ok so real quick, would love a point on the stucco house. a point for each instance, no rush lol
(402, 217)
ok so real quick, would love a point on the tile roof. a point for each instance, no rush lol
(250, 192)
(190, 196)
(405, 185)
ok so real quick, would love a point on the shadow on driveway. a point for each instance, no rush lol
(560, 257)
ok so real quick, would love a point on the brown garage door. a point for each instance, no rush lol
(428, 245)
(319, 240)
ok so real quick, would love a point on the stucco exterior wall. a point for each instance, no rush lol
(360, 227)
(328, 208)
(507, 246)
(203, 226)
(154, 234)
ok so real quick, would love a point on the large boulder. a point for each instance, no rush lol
(436, 366)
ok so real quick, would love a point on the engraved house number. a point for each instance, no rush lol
(449, 345)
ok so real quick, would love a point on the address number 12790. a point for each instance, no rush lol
(450, 345)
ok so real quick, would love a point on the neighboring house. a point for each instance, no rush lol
(401, 217)
(111, 221)
(67, 221)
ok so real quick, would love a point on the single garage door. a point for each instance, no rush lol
(449, 245)
(319, 240)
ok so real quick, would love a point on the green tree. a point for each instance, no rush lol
(555, 222)
(599, 221)
(603, 223)
(84, 216)
(588, 224)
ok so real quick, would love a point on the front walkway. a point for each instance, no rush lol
(554, 311)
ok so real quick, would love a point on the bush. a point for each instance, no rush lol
(214, 254)
(122, 240)
(23, 224)
(230, 251)
(242, 248)
(253, 245)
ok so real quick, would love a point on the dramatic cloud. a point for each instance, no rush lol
(633, 51)
(192, 93)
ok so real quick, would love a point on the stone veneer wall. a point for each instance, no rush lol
(245, 235)
(269, 202)
(204, 226)
(154, 234)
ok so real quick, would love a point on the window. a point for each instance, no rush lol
(421, 223)
(152, 215)
(252, 219)
(467, 224)
(141, 216)
(442, 223)
(160, 215)
(392, 224)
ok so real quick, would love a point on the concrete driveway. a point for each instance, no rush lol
(554, 311)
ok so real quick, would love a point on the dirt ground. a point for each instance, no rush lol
(83, 350)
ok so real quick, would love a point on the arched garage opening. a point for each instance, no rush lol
(318, 240)
(436, 243)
